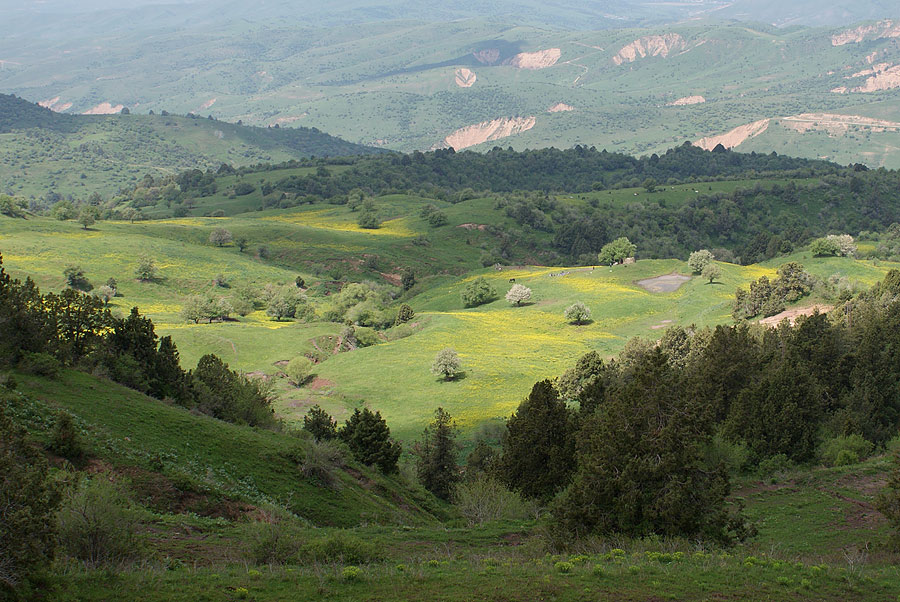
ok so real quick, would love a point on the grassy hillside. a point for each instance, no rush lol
(393, 83)
(42, 151)
(169, 447)
(197, 486)
(504, 349)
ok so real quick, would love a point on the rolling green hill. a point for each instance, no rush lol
(42, 151)
(817, 92)
(325, 244)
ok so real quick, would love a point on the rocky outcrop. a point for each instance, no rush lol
(662, 46)
(560, 107)
(877, 31)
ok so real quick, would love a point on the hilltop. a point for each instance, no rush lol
(43, 151)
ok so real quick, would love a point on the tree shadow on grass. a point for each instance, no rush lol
(582, 323)
(459, 376)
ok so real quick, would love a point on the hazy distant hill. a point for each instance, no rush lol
(42, 151)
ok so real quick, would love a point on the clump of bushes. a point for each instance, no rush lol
(841, 451)
(97, 523)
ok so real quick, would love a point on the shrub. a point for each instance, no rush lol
(824, 246)
(299, 370)
(351, 573)
(840, 451)
(97, 523)
(340, 547)
(39, 364)
(404, 314)
(776, 464)
(64, 440)
(319, 461)
(272, 539)
(477, 292)
(76, 279)
(564, 567)
(369, 220)
(105, 293)
(319, 424)
(446, 364)
(485, 499)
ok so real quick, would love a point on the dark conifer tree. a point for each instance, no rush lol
(369, 439)
(319, 424)
(436, 456)
(538, 451)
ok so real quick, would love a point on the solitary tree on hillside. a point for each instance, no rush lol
(477, 291)
(578, 313)
(518, 294)
(146, 269)
(711, 272)
(446, 364)
(617, 250)
(87, 217)
(220, 237)
(76, 279)
(699, 260)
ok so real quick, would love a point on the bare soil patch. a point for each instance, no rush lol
(650, 46)
(668, 283)
(486, 131)
(560, 107)
(465, 78)
(792, 314)
(687, 100)
(320, 383)
(104, 108)
(481, 227)
(662, 324)
(536, 60)
(735, 137)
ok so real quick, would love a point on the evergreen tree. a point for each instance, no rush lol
(640, 465)
(319, 424)
(28, 500)
(436, 456)
(778, 413)
(369, 439)
(538, 450)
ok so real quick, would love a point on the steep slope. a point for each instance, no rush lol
(133, 434)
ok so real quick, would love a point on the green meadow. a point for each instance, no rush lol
(504, 349)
